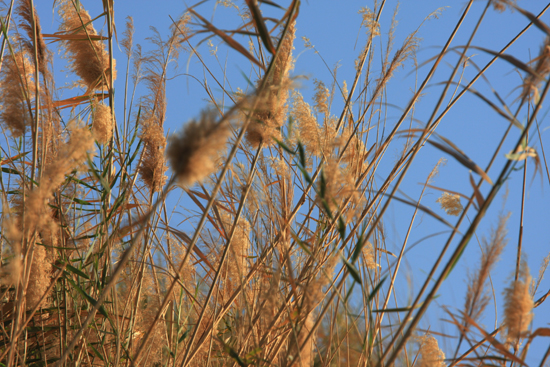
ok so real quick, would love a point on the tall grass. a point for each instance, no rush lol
(279, 254)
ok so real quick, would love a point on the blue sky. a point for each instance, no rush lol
(333, 27)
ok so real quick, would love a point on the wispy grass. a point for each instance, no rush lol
(278, 251)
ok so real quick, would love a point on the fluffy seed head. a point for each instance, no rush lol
(477, 298)
(518, 306)
(338, 186)
(193, 152)
(501, 5)
(370, 260)
(430, 354)
(152, 167)
(355, 154)
(271, 109)
(128, 40)
(542, 69)
(10, 273)
(322, 96)
(27, 13)
(102, 126)
(450, 203)
(240, 245)
(310, 133)
(39, 277)
(87, 55)
(15, 113)
(369, 21)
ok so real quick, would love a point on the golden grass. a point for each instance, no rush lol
(258, 234)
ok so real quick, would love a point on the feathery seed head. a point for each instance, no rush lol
(87, 55)
(435, 170)
(193, 152)
(153, 166)
(310, 133)
(271, 110)
(128, 40)
(27, 13)
(542, 69)
(322, 96)
(370, 260)
(39, 277)
(430, 354)
(338, 185)
(10, 273)
(240, 245)
(14, 96)
(450, 203)
(356, 153)
(369, 21)
(518, 306)
(476, 297)
(501, 5)
(102, 125)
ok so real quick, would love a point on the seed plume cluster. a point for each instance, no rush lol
(85, 50)
(193, 153)
(269, 115)
(430, 354)
(282, 226)
(17, 89)
(518, 307)
(450, 203)
(102, 125)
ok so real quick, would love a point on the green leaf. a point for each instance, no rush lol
(322, 185)
(260, 25)
(398, 309)
(305, 174)
(77, 272)
(184, 335)
(456, 261)
(300, 243)
(10, 170)
(358, 248)
(354, 273)
(96, 352)
(80, 201)
(302, 153)
(90, 299)
(342, 228)
(376, 289)
(233, 354)
(72, 178)
(284, 146)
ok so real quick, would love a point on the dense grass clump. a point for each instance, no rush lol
(261, 232)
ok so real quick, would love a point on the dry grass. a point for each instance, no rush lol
(280, 250)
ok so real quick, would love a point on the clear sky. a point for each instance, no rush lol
(333, 27)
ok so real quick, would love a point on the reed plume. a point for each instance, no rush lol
(370, 259)
(194, 152)
(518, 306)
(309, 130)
(86, 53)
(269, 116)
(153, 167)
(476, 297)
(29, 16)
(137, 277)
(17, 89)
(102, 123)
(430, 354)
(532, 83)
(450, 203)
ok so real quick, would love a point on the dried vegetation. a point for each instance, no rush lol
(257, 234)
